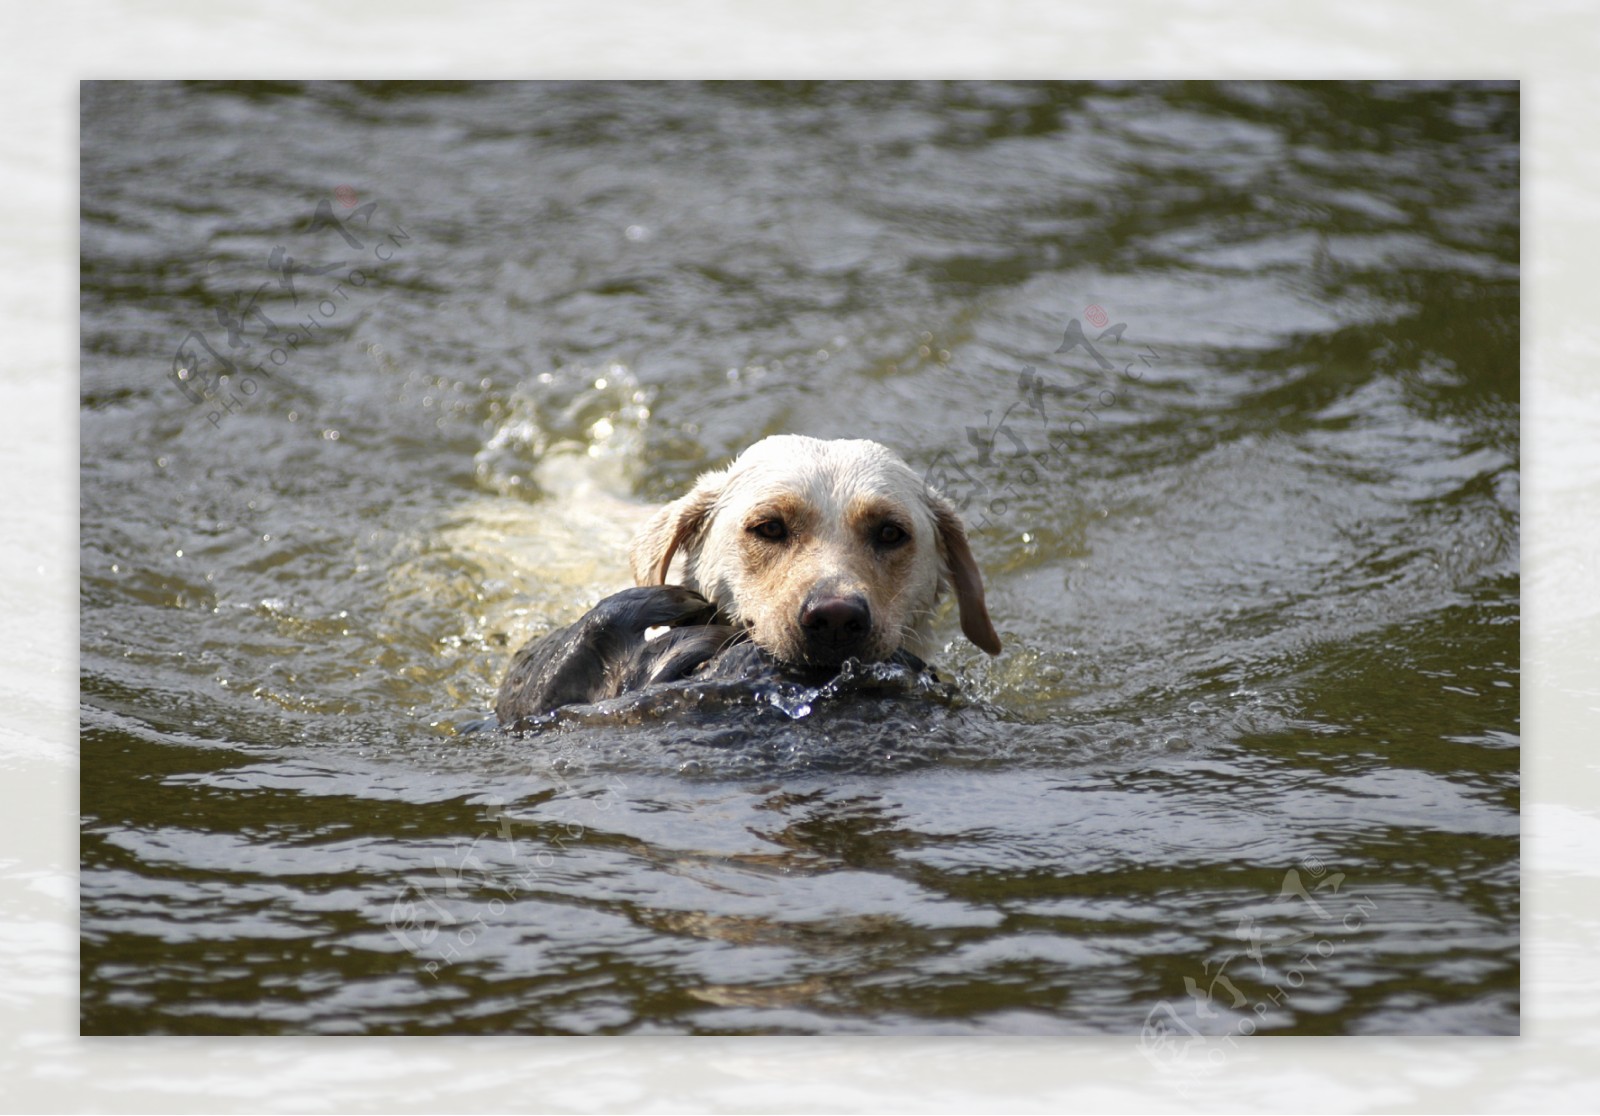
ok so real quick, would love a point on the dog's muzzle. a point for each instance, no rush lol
(835, 626)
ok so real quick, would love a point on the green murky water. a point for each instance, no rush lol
(1249, 762)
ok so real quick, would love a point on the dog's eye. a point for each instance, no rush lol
(890, 534)
(772, 530)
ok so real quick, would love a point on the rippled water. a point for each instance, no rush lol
(1248, 763)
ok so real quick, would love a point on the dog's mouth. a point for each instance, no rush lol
(828, 631)
(814, 656)
(831, 659)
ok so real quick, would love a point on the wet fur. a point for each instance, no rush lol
(833, 493)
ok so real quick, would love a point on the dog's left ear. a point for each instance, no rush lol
(963, 574)
(680, 524)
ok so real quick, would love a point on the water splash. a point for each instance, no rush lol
(576, 411)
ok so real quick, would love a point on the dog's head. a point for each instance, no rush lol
(822, 550)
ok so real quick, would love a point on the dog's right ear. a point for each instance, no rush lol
(681, 524)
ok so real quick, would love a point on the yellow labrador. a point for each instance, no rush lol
(821, 550)
(803, 553)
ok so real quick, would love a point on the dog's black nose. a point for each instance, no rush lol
(836, 617)
(836, 626)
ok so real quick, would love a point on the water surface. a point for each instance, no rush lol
(1248, 763)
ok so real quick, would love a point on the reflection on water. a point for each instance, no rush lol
(1226, 377)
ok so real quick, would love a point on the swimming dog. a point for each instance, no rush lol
(800, 555)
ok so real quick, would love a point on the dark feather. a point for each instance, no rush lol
(602, 654)
(605, 655)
